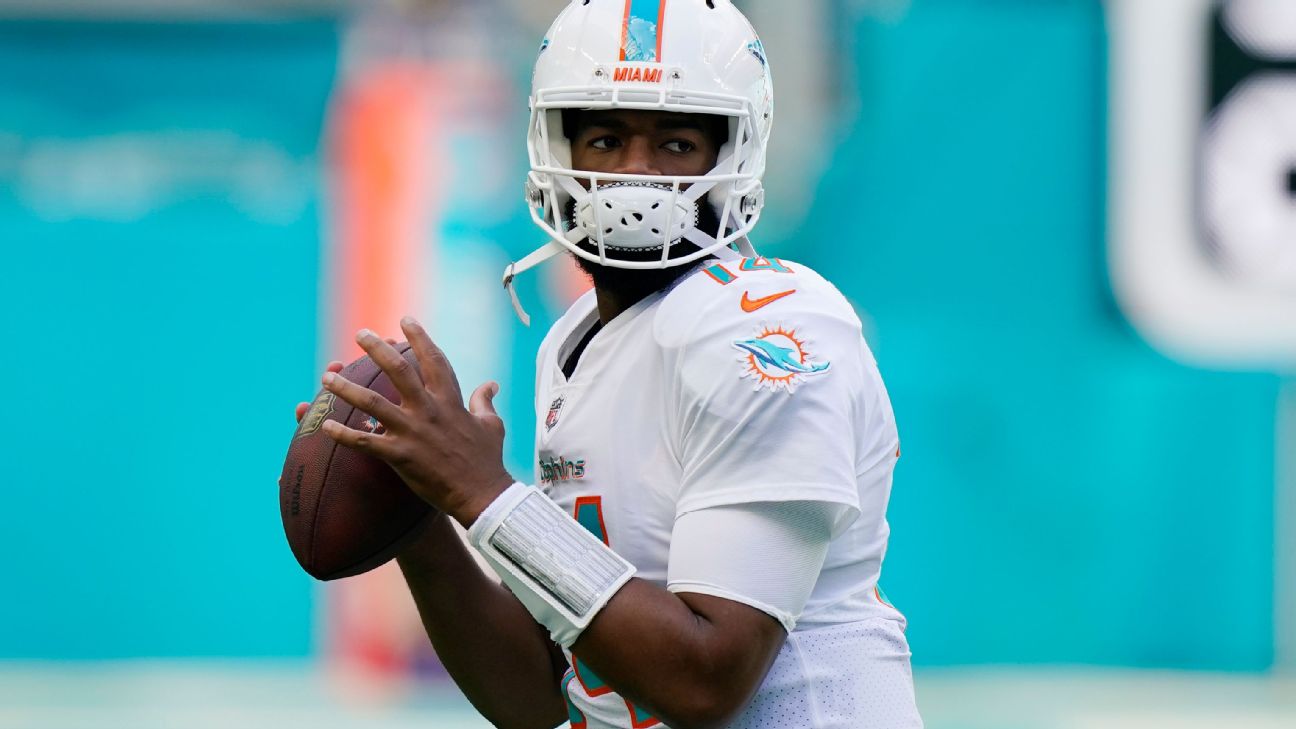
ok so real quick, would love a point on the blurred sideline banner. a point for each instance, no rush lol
(1068, 494)
(1202, 226)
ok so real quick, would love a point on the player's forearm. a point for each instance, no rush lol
(496, 653)
(661, 651)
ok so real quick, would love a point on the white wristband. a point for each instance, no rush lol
(561, 572)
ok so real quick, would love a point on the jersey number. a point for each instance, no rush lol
(724, 276)
(589, 513)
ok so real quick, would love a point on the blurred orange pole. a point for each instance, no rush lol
(382, 148)
(383, 135)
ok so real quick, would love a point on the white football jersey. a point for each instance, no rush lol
(747, 381)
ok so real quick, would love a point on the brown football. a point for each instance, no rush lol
(346, 512)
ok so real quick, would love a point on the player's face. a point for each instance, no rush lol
(645, 143)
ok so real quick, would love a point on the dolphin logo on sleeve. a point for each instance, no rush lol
(771, 355)
(777, 359)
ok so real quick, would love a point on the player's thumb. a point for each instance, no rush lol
(482, 401)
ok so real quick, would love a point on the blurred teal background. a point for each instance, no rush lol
(1067, 495)
(160, 215)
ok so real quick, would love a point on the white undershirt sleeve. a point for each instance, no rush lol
(767, 555)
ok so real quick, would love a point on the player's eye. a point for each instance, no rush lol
(679, 146)
(605, 142)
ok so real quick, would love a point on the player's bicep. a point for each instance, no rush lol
(765, 555)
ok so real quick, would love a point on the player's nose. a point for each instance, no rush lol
(638, 158)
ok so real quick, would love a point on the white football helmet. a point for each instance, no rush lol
(688, 56)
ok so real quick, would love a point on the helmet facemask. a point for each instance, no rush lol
(613, 214)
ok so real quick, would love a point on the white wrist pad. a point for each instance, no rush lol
(561, 572)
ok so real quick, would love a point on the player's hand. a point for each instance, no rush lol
(335, 367)
(451, 456)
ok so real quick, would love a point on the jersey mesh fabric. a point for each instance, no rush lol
(853, 676)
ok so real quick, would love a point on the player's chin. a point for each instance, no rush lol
(635, 282)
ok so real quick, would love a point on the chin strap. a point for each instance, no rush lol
(553, 248)
(576, 234)
(533, 259)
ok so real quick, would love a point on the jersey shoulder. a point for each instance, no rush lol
(750, 293)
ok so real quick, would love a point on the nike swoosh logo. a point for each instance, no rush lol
(749, 304)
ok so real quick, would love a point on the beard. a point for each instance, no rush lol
(635, 284)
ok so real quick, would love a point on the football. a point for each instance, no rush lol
(345, 512)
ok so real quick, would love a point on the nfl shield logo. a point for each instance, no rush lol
(552, 419)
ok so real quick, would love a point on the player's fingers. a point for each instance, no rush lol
(482, 405)
(482, 400)
(366, 400)
(438, 375)
(334, 367)
(398, 369)
(371, 443)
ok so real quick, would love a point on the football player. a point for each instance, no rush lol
(701, 541)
